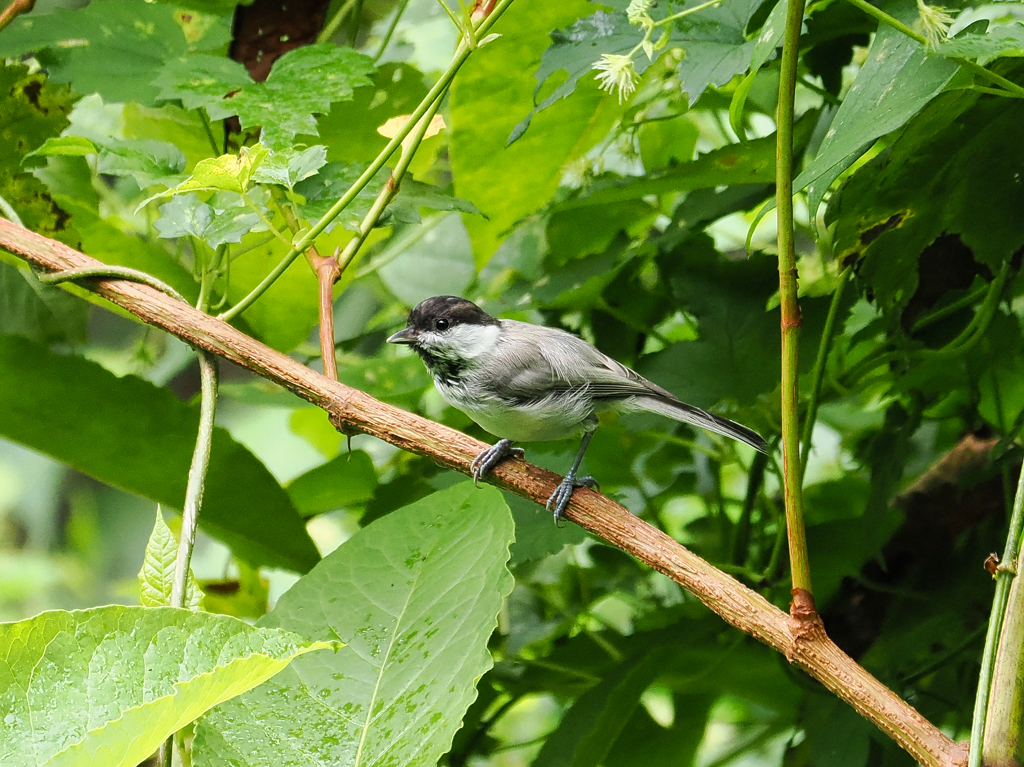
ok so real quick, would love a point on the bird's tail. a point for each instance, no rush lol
(680, 411)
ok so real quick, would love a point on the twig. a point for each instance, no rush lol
(738, 605)
(15, 9)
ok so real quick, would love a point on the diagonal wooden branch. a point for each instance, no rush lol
(349, 408)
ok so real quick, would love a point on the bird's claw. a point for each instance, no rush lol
(560, 498)
(491, 457)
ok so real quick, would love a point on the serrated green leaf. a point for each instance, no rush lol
(224, 219)
(289, 166)
(998, 41)
(227, 173)
(107, 685)
(185, 215)
(326, 187)
(148, 162)
(112, 47)
(350, 129)
(303, 82)
(66, 146)
(416, 595)
(156, 578)
(133, 435)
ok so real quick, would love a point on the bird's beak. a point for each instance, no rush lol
(403, 336)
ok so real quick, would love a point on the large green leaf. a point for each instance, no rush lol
(39, 312)
(415, 595)
(106, 686)
(303, 82)
(956, 170)
(896, 82)
(486, 103)
(591, 726)
(113, 47)
(133, 435)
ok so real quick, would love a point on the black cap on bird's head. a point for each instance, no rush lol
(439, 314)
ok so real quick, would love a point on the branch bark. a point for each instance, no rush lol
(352, 409)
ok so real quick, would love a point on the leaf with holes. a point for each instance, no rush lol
(416, 595)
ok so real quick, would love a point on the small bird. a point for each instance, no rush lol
(530, 383)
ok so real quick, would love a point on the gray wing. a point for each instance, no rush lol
(534, 361)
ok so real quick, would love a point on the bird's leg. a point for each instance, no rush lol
(560, 498)
(491, 457)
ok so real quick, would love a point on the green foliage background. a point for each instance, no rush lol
(549, 200)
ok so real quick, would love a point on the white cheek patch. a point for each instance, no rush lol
(473, 341)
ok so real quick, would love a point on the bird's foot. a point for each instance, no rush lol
(491, 457)
(560, 498)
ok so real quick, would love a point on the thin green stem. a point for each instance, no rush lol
(386, 40)
(818, 373)
(331, 27)
(9, 212)
(251, 246)
(977, 327)
(109, 273)
(687, 12)
(196, 475)
(1004, 578)
(741, 534)
(299, 246)
(1009, 87)
(209, 133)
(387, 194)
(266, 221)
(962, 302)
(353, 30)
(792, 473)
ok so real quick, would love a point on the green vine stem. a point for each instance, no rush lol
(818, 374)
(108, 273)
(1009, 88)
(803, 602)
(9, 212)
(196, 475)
(387, 194)
(300, 245)
(994, 649)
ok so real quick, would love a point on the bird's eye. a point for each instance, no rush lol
(441, 324)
